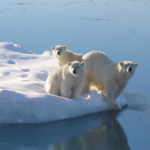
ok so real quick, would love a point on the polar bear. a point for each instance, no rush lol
(63, 55)
(109, 77)
(66, 81)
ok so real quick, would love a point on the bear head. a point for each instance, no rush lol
(59, 50)
(76, 68)
(128, 68)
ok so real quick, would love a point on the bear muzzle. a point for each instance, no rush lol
(58, 52)
(74, 72)
(130, 69)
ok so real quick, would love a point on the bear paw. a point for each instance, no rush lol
(113, 105)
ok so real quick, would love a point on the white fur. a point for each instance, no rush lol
(64, 56)
(106, 75)
(66, 81)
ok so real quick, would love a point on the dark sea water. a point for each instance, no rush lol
(121, 29)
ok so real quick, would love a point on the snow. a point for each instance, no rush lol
(23, 98)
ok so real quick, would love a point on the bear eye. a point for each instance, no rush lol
(77, 67)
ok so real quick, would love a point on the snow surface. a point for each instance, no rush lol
(23, 98)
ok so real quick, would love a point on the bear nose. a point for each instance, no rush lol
(130, 69)
(74, 72)
(58, 52)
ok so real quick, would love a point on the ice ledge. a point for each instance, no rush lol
(20, 108)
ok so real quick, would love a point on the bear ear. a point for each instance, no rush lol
(121, 63)
(69, 63)
(136, 64)
(52, 47)
(82, 63)
(65, 46)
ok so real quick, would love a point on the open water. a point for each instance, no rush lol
(121, 29)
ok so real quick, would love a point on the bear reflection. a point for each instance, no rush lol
(109, 136)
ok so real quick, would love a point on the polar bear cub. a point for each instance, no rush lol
(66, 81)
(105, 75)
(63, 55)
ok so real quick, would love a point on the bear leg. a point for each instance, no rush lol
(109, 98)
(85, 85)
(75, 91)
(65, 90)
(120, 90)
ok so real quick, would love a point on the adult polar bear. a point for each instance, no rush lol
(64, 56)
(106, 75)
(66, 81)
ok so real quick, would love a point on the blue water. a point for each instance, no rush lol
(121, 29)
